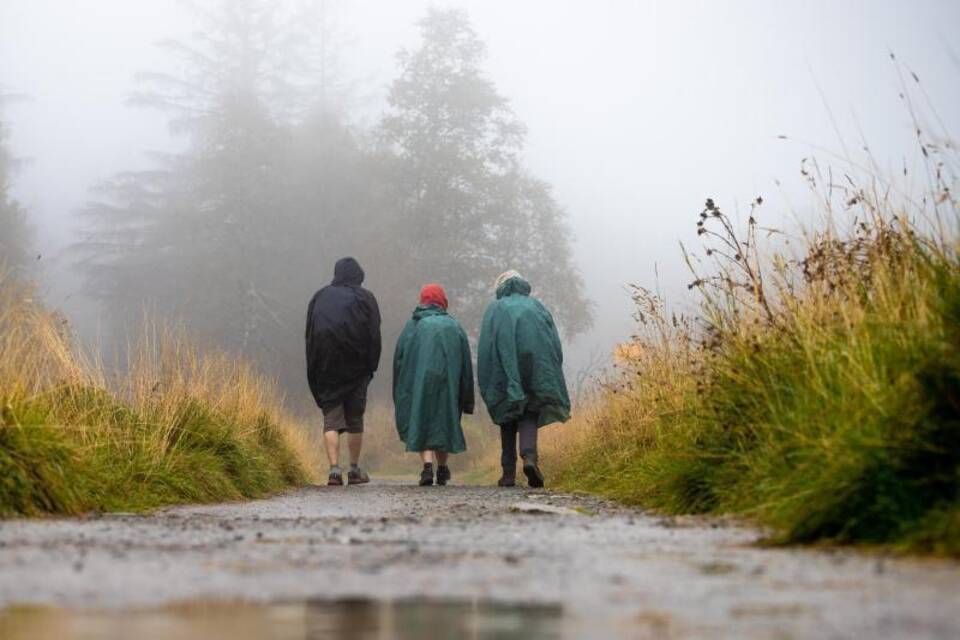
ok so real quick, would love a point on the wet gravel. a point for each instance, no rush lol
(608, 568)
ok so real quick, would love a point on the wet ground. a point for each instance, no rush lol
(393, 561)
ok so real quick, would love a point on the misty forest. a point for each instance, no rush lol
(233, 235)
(485, 319)
(15, 243)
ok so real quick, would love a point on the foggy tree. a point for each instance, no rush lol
(15, 232)
(464, 207)
(235, 233)
(232, 235)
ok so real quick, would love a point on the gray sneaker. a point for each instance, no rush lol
(357, 476)
(335, 479)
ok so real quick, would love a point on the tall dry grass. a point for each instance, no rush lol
(176, 423)
(814, 387)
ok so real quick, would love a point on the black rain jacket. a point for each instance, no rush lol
(343, 335)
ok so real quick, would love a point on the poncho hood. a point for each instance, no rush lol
(514, 285)
(347, 272)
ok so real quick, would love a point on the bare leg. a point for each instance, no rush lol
(355, 442)
(426, 476)
(332, 441)
(442, 458)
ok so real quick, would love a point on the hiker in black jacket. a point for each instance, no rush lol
(343, 351)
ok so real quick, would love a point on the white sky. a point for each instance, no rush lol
(637, 111)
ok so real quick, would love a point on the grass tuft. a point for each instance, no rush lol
(817, 392)
(177, 425)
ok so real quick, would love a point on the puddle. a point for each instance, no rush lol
(355, 619)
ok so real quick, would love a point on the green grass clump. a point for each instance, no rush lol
(847, 429)
(36, 470)
(818, 395)
(178, 426)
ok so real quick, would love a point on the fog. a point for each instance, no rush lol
(635, 113)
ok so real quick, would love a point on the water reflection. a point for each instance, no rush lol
(355, 619)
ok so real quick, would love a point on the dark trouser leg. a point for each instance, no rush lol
(528, 449)
(528, 435)
(508, 446)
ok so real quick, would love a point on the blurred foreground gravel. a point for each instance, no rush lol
(584, 567)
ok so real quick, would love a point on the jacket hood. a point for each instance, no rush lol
(427, 310)
(513, 285)
(347, 272)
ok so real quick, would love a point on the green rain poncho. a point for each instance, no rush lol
(432, 382)
(520, 361)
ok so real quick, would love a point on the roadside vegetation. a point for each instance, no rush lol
(177, 425)
(815, 387)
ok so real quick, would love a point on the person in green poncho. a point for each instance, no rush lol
(432, 384)
(520, 370)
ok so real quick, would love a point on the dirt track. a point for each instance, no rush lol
(593, 569)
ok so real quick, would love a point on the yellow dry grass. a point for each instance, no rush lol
(172, 406)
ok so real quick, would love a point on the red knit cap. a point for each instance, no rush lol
(433, 294)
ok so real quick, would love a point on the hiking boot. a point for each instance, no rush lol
(357, 476)
(443, 475)
(426, 476)
(335, 479)
(508, 479)
(532, 471)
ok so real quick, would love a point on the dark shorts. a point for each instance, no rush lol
(346, 416)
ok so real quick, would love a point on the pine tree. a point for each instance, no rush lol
(466, 208)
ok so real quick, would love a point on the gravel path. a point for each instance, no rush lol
(586, 568)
